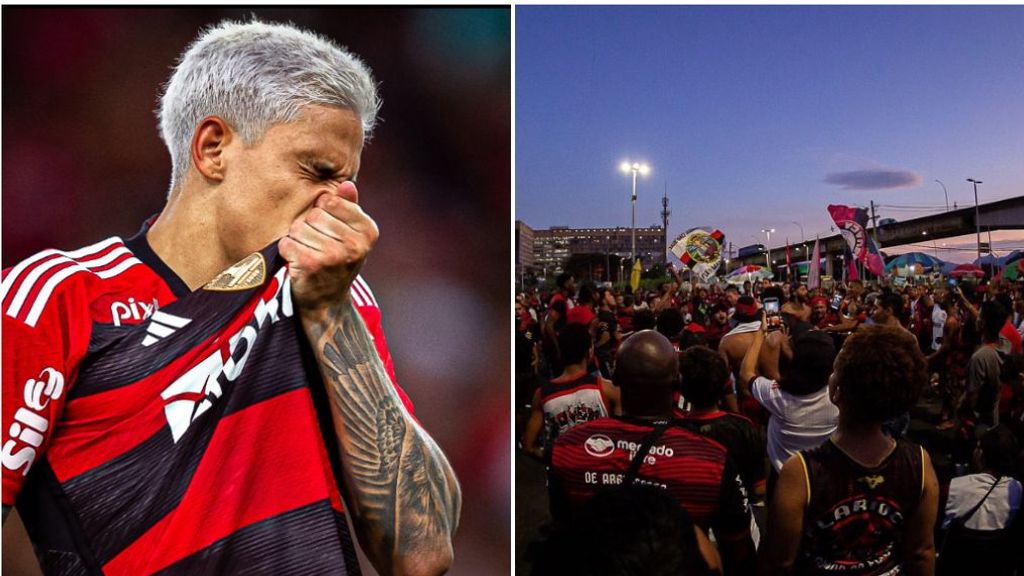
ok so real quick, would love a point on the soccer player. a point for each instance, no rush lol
(201, 396)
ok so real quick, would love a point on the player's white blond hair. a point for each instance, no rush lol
(257, 74)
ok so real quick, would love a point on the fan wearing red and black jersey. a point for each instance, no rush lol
(704, 376)
(216, 383)
(694, 469)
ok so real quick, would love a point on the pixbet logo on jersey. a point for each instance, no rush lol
(194, 392)
(30, 422)
(132, 310)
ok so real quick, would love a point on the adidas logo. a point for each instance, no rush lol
(162, 325)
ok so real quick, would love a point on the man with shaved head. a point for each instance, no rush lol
(643, 446)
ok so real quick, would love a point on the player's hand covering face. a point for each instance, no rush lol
(326, 246)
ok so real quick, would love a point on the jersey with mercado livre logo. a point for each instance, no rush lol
(148, 429)
(696, 470)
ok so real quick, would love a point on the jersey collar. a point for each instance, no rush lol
(139, 246)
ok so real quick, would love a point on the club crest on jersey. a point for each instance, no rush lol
(599, 446)
(247, 273)
(195, 391)
(871, 482)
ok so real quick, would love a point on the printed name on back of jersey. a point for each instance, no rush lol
(245, 274)
(195, 391)
(30, 420)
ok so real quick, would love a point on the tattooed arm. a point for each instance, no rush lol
(403, 496)
(405, 499)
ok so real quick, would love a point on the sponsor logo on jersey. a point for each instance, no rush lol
(162, 325)
(245, 274)
(632, 447)
(30, 421)
(195, 391)
(599, 446)
(132, 310)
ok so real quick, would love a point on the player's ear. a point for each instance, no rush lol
(209, 141)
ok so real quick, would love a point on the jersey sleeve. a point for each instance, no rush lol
(761, 389)
(368, 309)
(43, 342)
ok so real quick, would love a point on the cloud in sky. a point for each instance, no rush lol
(874, 179)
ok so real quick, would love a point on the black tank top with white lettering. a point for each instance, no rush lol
(856, 515)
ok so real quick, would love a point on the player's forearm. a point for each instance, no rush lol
(404, 497)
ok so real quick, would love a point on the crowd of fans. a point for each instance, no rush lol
(864, 428)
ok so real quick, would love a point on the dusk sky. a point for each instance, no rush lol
(754, 117)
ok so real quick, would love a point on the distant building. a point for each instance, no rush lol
(524, 248)
(552, 247)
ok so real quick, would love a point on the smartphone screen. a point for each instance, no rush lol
(836, 301)
(771, 309)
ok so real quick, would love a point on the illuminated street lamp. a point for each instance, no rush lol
(634, 167)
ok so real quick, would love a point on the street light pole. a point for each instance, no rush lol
(946, 194)
(768, 246)
(977, 220)
(633, 249)
(634, 167)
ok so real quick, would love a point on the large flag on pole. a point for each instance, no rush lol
(814, 269)
(852, 223)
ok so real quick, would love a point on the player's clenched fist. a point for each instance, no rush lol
(325, 248)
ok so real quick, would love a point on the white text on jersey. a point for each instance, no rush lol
(30, 422)
(132, 310)
(194, 392)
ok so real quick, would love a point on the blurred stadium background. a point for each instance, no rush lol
(82, 160)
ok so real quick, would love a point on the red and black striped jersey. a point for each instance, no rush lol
(695, 470)
(152, 429)
(742, 439)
